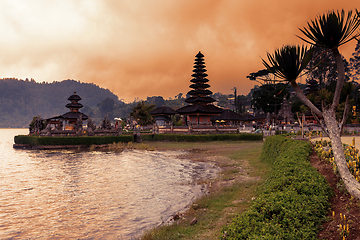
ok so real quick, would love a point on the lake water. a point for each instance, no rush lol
(61, 194)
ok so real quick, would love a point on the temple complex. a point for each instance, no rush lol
(200, 107)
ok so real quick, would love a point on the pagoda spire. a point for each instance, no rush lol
(200, 107)
(200, 93)
(74, 106)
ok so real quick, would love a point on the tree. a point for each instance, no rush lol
(37, 124)
(157, 100)
(269, 97)
(106, 107)
(322, 67)
(141, 113)
(328, 31)
(355, 63)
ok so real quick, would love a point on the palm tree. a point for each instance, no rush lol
(329, 31)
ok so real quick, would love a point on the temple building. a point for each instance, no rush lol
(200, 107)
(285, 114)
(163, 115)
(68, 120)
(227, 117)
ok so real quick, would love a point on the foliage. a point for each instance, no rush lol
(71, 140)
(355, 63)
(141, 113)
(288, 62)
(269, 97)
(331, 30)
(328, 31)
(322, 68)
(202, 137)
(33, 123)
(294, 199)
(106, 107)
(157, 100)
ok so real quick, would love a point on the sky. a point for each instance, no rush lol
(141, 48)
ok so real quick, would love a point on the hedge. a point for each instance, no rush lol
(293, 201)
(98, 140)
(201, 137)
(71, 140)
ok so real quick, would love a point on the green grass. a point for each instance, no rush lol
(218, 208)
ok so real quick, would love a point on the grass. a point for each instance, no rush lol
(232, 193)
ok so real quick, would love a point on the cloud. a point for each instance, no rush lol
(147, 48)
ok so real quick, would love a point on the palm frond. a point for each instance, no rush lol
(288, 62)
(332, 29)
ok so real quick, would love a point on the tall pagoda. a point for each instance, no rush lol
(200, 107)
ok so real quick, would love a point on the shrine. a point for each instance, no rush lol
(200, 107)
(67, 121)
(163, 115)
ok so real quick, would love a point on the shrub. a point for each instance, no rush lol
(202, 137)
(99, 140)
(293, 201)
(71, 140)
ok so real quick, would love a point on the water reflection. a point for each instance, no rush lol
(68, 194)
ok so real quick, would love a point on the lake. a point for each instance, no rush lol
(92, 194)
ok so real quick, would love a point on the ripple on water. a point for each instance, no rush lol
(57, 194)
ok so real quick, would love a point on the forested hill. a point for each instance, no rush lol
(21, 100)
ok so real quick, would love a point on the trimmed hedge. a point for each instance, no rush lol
(293, 201)
(98, 140)
(202, 137)
(71, 140)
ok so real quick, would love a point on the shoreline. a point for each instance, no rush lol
(235, 171)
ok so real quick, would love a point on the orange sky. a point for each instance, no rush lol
(139, 48)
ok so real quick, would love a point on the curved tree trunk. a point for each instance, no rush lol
(352, 186)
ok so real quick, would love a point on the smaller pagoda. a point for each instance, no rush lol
(200, 107)
(74, 107)
(67, 121)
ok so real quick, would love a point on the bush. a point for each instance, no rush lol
(293, 201)
(99, 140)
(71, 140)
(202, 137)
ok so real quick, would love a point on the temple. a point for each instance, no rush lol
(200, 107)
(163, 115)
(67, 121)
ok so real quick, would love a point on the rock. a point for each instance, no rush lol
(176, 216)
(193, 222)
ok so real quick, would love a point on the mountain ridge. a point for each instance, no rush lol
(21, 100)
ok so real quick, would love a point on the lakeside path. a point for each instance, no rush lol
(344, 139)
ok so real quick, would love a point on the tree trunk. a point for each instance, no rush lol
(302, 126)
(352, 186)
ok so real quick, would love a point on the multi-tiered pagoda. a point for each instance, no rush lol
(200, 107)
(68, 120)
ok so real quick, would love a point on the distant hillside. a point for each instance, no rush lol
(21, 100)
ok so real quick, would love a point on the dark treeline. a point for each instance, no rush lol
(21, 100)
